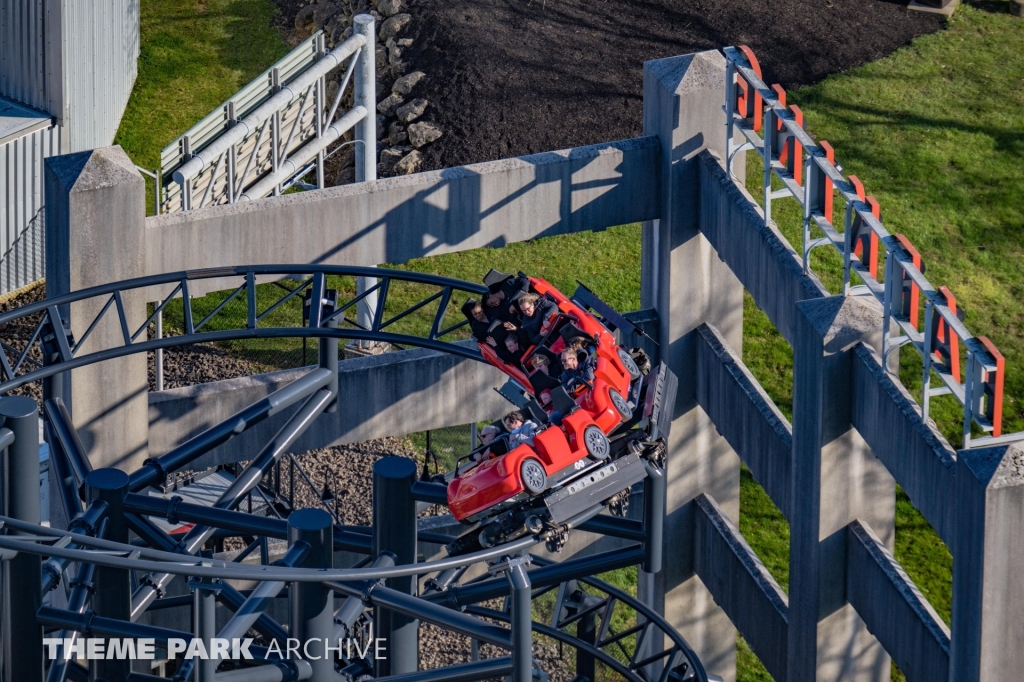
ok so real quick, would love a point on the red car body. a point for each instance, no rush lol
(495, 484)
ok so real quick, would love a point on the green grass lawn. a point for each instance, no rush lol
(934, 131)
(194, 54)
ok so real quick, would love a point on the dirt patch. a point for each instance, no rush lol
(513, 77)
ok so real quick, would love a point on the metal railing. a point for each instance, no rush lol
(277, 129)
(807, 170)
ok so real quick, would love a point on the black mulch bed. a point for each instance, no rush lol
(513, 77)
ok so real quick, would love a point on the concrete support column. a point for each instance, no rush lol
(836, 480)
(686, 282)
(988, 553)
(95, 234)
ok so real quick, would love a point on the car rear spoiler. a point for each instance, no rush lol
(587, 299)
(660, 401)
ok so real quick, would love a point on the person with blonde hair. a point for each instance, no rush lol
(538, 316)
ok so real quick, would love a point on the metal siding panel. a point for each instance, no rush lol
(22, 258)
(22, 77)
(103, 67)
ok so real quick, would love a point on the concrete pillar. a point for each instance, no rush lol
(988, 553)
(95, 234)
(686, 282)
(836, 480)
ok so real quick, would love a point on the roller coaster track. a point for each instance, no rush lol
(608, 631)
(62, 350)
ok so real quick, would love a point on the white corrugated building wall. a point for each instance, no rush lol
(67, 68)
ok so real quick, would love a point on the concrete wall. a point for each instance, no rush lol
(757, 254)
(397, 219)
(386, 395)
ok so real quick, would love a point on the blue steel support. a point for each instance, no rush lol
(394, 531)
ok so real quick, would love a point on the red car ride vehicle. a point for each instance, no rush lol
(571, 465)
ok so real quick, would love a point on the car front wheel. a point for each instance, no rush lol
(597, 443)
(535, 479)
(627, 360)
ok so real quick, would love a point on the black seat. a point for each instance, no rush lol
(561, 400)
(532, 410)
(541, 382)
(570, 331)
(495, 278)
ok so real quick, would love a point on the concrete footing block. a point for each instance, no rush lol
(946, 8)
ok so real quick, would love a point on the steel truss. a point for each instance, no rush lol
(63, 350)
(110, 583)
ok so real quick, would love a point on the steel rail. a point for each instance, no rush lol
(233, 335)
(153, 584)
(216, 568)
(154, 469)
(642, 609)
(283, 98)
(564, 638)
(241, 522)
(240, 270)
(374, 594)
(68, 360)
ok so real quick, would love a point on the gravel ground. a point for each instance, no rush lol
(18, 333)
(348, 469)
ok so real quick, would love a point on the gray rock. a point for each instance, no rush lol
(395, 56)
(423, 133)
(324, 12)
(396, 134)
(348, 156)
(390, 43)
(411, 111)
(388, 105)
(389, 8)
(382, 57)
(346, 176)
(405, 84)
(304, 19)
(405, 42)
(389, 158)
(392, 26)
(410, 163)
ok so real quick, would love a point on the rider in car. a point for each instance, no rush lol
(512, 352)
(478, 322)
(499, 300)
(538, 314)
(573, 369)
